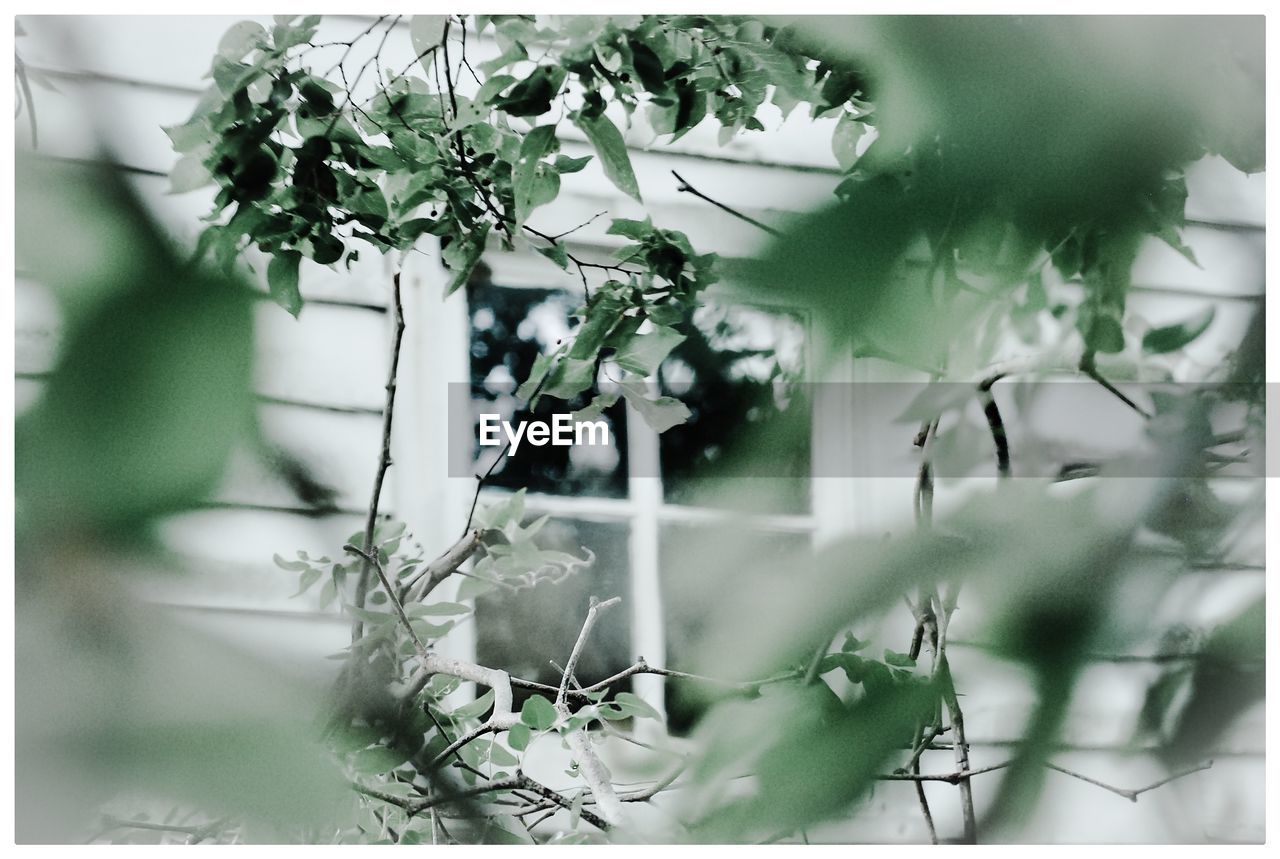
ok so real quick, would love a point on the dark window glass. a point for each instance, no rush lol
(522, 631)
(739, 372)
(699, 565)
(510, 328)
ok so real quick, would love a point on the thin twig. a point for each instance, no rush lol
(384, 458)
(642, 667)
(941, 667)
(924, 806)
(959, 776)
(960, 745)
(593, 612)
(391, 595)
(1090, 369)
(1132, 794)
(420, 585)
(593, 770)
(689, 189)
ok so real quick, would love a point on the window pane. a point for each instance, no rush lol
(700, 564)
(739, 371)
(510, 327)
(522, 631)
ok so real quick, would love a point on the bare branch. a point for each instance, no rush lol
(391, 595)
(425, 581)
(550, 795)
(592, 613)
(689, 189)
(1132, 794)
(384, 458)
(960, 776)
(593, 770)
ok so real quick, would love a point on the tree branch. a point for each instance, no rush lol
(593, 770)
(395, 602)
(1132, 794)
(384, 458)
(960, 776)
(419, 586)
(689, 189)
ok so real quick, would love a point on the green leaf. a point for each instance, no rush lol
(852, 643)
(473, 587)
(648, 66)
(570, 377)
(898, 660)
(152, 390)
(426, 32)
(500, 756)
(291, 566)
(328, 592)
(461, 257)
(597, 406)
(518, 737)
(240, 39)
(557, 254)
(538, 713)
(188, 174)
(844, 140)
(378, 759)
(308, 578)
(1104, 333)
(644, 352)
(282, 276)
(632, 229)
(1171, 338)
(426, 630)
(612, 149)
(852, 664)
(525, 174)
(661, 414)
(533, 95)
(541, 366)
(565, 164)
(636, 706)
(476, 708)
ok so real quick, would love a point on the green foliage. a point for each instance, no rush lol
(1171, 338)
(974, 154)
(538, 713)
(152, 387)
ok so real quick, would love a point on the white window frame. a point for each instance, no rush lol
(437, 351)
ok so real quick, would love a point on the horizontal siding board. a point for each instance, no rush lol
(330, 355)
(239, 573)
(340, 450)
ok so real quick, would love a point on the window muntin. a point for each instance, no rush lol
(739, 371)
(660, 488)
(510, 328)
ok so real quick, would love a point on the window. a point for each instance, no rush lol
(643, 501)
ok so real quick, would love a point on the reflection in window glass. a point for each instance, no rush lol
(700, 564)
(510, 327)
(522, 631)
(738, 371)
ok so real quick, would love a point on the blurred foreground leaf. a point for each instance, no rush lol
(151, 388)
(113, 699)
